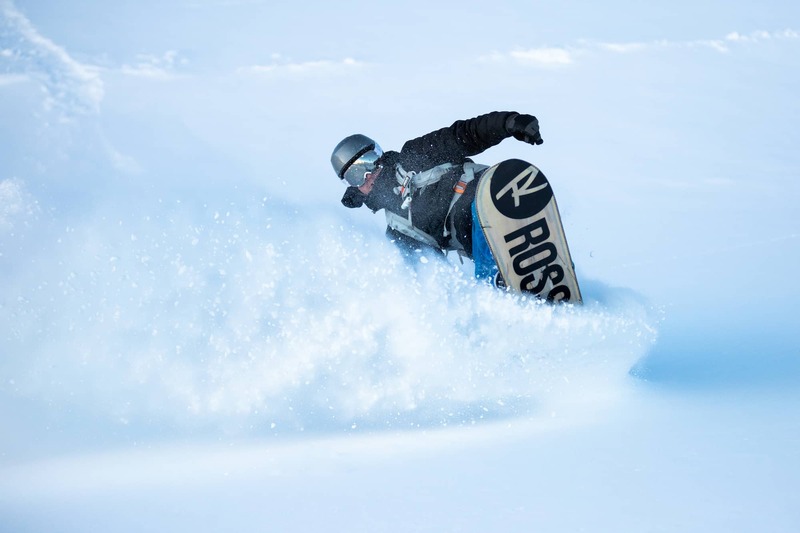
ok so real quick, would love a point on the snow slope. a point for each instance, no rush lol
(194, 334)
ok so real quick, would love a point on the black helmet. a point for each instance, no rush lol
(354, 158)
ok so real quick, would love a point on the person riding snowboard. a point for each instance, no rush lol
(427, 189)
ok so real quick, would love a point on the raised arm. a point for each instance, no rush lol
(465, 138)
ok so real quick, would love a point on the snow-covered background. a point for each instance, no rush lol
(196, 336)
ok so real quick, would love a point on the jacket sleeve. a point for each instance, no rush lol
(462, 139)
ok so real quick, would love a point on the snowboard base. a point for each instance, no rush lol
(518, 214)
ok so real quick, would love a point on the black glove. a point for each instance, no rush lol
(524, 128)
(353, 198)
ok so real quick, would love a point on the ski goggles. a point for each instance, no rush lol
(364, 162)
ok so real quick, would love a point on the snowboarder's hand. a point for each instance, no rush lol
(524, 128)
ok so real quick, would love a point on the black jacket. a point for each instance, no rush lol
(430, 206)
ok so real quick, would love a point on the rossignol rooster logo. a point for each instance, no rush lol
(519, 190)
(516, 190)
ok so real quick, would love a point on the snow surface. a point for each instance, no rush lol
(196, 336)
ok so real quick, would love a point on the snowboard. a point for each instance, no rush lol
(518, 214)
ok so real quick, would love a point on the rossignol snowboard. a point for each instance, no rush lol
(519, 217)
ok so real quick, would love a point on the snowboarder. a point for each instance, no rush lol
(428, 188)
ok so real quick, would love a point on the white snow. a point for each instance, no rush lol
(196, 336)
